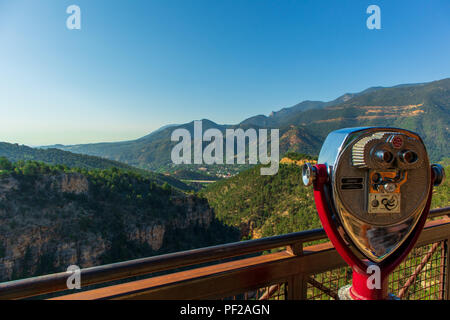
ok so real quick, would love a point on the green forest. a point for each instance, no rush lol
(273, 205)
(270, 205)
(65, 159)
(116, 202)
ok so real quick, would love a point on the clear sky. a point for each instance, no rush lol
(137, 65)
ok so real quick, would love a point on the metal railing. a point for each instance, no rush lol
(294, 272)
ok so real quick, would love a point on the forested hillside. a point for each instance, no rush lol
(270, 205)
(16, 153)
(54, 216)
(264, 205)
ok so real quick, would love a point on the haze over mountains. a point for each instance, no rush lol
(424, 108)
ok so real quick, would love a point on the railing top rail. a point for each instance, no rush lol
(121, 270)
(439, 212)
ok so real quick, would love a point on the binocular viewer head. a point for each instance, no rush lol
(377, 184)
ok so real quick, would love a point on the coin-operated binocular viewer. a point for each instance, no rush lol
(372, 188)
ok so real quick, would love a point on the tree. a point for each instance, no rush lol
(31, 168)
(5, 164)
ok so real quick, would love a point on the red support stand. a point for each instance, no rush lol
(361, 291)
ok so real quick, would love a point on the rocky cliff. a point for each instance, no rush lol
(51, 221)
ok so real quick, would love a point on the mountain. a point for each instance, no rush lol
(158, 130)
(423, 107)
(277, 117)
(150, 152)
(51, 218)
(15, 152)
(282, 117)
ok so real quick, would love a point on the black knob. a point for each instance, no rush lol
(408, 156)
(376, 177)
(439, 174)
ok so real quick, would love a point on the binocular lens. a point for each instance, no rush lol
(408, 156)
(384, 156)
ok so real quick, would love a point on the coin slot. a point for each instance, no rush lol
(351, 186)
(352, 180)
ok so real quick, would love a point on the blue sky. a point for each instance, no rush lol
(138, 65)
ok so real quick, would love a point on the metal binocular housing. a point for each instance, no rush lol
(372, 188)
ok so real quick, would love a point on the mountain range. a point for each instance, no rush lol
(423, 108)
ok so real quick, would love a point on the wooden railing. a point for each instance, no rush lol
(293, 269)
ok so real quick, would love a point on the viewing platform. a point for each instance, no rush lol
(296, 266)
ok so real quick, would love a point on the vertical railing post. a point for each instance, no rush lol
(297, 287)
(297, 284)
(295, 249)
(442, 278)
(446, 282)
